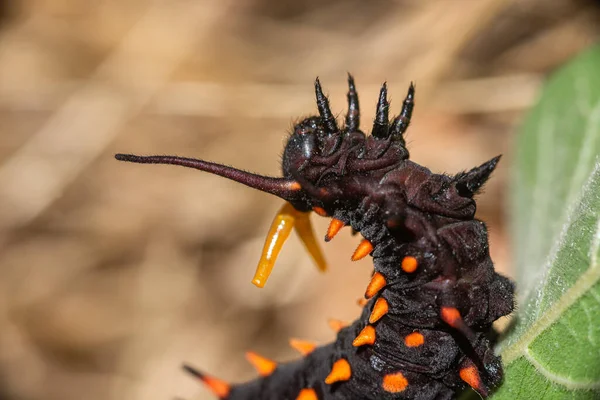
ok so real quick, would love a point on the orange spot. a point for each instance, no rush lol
(307, 394)
(366, 336)
(471, 376)
(334, 227)
(302, 346)
(336, 325)
(363, 250)
(415, 339)
(379, 310)
(220, 388)
(395, 382)
(409, 264)
(340, 372)
(264, 366)
(320, 211)
(451, 316)
(377, 283)
(295, 186)
(362, 302)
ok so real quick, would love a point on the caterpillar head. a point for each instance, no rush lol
(317, 156)
(318, 153)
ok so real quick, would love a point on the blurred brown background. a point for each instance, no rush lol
(112, 274)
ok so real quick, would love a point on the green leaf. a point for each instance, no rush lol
(553, 350)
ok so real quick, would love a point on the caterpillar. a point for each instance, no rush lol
(425, 331)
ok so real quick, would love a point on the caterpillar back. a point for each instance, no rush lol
(424, 330)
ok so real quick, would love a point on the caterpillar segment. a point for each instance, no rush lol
(425, 327)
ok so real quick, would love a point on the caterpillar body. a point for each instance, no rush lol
(425, 331)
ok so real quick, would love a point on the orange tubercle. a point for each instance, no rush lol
(414, 339)
(362, 302)
(409, 264)
(307, 394)
(219, 388)
(471, 376)
(320, 211)
(295, 186)
(334, 227)
(366, 336)
(302, 346)
(340, 372)
(380, 308)
(451, 316)
(264, 366)
(377, 283)
(395, 382)
(364, 248)
(336, 325)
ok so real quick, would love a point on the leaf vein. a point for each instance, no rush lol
(569, 297)
(561, 380)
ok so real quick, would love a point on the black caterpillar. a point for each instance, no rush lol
(424, 333)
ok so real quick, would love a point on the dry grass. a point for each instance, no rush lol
(113, 274)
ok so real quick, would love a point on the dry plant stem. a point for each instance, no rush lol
(40, 171)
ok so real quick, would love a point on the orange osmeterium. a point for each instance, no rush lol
(366, 336)
(451, 316)
(334, 227)
(414, 339)
(340, 372)
(409, 264)
(471, 376)
(377, 283)
(286, 219)
(364, 248)
(394, 382)
(219, 388)
(306, 234)
(302, 346)
(336, 325)
(307, 394)
(264, 366)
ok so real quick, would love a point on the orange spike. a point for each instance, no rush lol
(451, 316)
(415, 339)
(307, 394)
(363, 250)
(395, 382)
(336, 325)
(340, 372)
(409, 264)
(471, 376)
(366, 336)
(220, 388)
(334, 227)
(377, 283)
(264, 366)
(379, 310)
(320, 211)
(302, 346)
(305, 231)
(362, 302)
